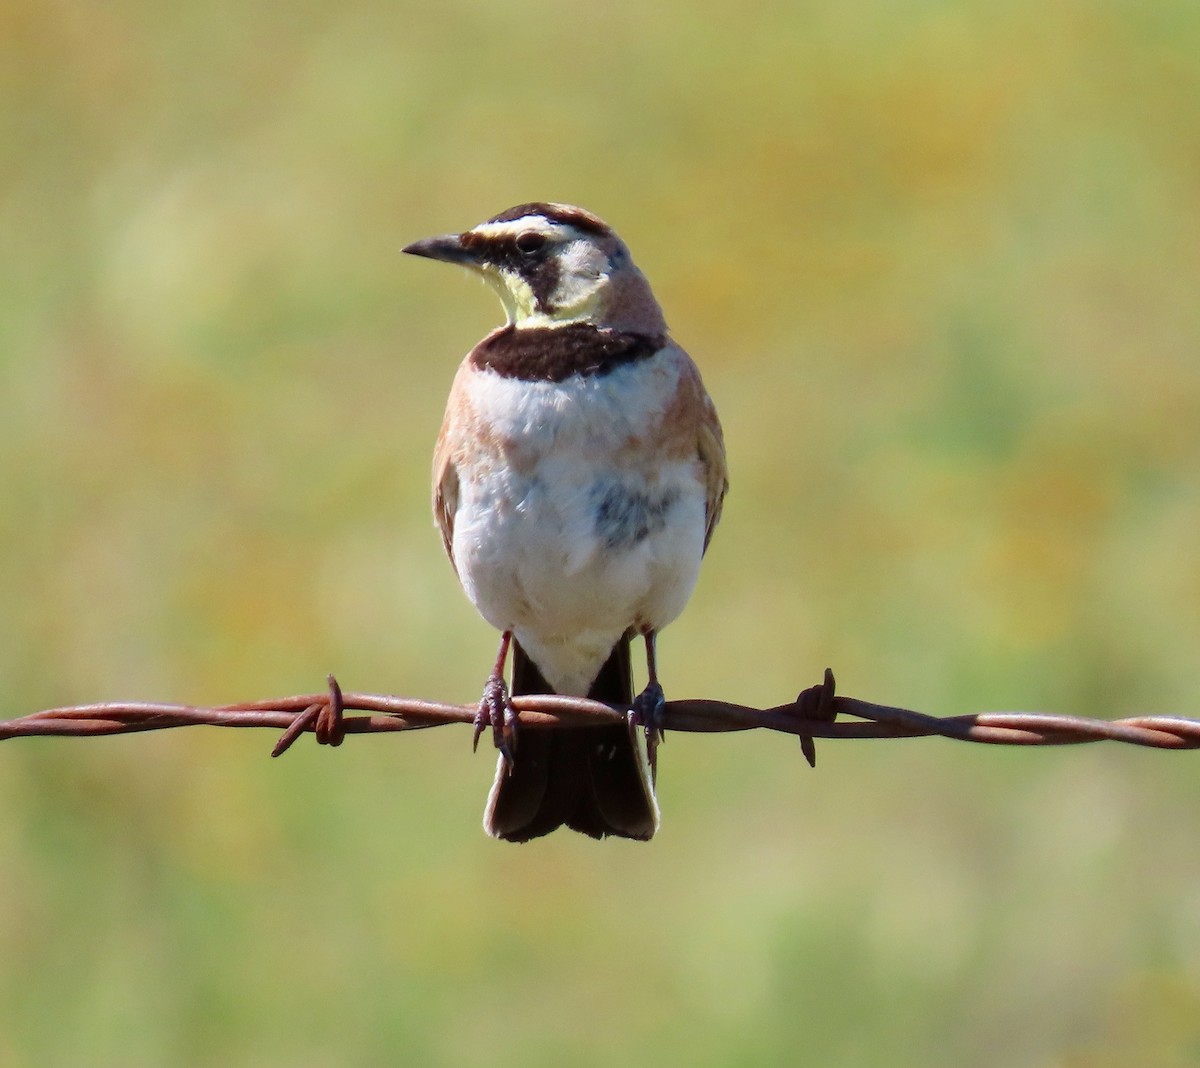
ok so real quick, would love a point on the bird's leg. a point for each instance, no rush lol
(648, 706)
(496, 708)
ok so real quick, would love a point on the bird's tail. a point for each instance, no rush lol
(596, 780)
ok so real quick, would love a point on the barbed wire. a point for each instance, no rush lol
(818, 712)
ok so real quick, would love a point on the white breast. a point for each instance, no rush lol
(574, 536)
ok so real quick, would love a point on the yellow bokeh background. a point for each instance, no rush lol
(940, 265)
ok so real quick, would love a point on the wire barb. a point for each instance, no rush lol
(817, 712)
(304, 722)
(816, 703)
(331, 722)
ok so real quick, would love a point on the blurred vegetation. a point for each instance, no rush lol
(940, 265)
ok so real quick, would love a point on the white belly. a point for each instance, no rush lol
(574, 544)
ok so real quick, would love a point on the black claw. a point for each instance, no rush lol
(648, 709)
(496, 711)
(509, 729)
(483, 719)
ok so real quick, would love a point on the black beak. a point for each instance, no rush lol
(449, 249)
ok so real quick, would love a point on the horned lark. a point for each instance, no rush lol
(578, 477)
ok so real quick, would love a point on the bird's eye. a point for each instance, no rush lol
(530, 241)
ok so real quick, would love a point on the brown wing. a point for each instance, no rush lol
(445, 492)
(716, 471)
(691, 428)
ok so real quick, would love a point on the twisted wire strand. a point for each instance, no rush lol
(818, 712)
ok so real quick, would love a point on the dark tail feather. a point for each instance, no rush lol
(594, 780)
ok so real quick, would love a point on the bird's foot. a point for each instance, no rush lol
(648, 708)
(496, 711)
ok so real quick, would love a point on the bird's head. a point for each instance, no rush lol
(554, 264)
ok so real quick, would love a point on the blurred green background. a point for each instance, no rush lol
(940, 264)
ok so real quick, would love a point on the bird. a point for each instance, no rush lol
(578, 476)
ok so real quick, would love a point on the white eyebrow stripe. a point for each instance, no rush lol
(512, 227)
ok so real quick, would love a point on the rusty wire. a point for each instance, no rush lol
(816, 713)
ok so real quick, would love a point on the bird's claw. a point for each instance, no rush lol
(648, 709)
(496, 711)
